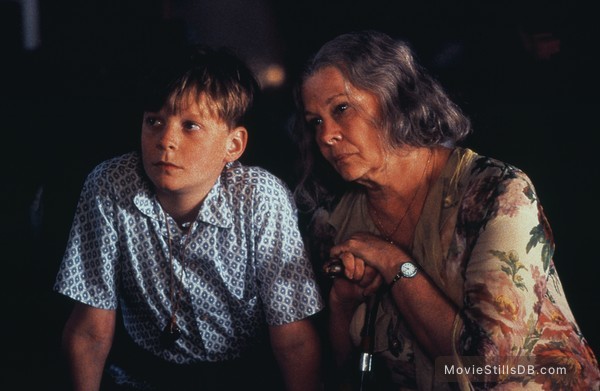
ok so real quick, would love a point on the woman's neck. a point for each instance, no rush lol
(396, 204)
(406, 171)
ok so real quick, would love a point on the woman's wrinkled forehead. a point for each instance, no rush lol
(330, 77)
(332, 81)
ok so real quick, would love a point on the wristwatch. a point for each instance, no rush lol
(407, 270)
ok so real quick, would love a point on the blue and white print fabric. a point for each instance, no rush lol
(241, 265)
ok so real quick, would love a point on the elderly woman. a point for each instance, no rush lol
(454, 245)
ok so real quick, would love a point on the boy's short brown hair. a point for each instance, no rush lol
(226, 82)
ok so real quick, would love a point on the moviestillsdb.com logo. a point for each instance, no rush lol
(495, 369)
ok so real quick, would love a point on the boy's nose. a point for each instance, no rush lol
(168, 138)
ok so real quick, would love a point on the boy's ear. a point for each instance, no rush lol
(236, 143)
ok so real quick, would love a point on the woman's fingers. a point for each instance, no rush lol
(354, 268)
(373, 286)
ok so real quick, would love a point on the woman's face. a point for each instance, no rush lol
(345, 124)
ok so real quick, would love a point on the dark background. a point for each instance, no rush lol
(524, 71)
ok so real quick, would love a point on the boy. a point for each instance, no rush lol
(200, 254)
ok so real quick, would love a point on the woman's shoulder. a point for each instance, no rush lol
(490, 170)
(493, 182)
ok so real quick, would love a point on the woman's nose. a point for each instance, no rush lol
(330, 133)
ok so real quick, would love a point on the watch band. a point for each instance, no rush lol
(401, 273)
(398, 276)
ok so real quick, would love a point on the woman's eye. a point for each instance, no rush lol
(340, 108)
(313, 123)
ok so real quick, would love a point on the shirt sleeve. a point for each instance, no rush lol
(286, 278)
(515, 310)
(89, 267)
(500, 286)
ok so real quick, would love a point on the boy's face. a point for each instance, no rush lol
(184, 152)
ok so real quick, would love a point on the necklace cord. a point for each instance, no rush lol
(378, 222)
(174, 293)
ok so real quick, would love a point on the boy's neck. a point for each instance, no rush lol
(182, 209)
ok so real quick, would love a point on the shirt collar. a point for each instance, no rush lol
(215, 209)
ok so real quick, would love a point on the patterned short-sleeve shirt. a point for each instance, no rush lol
(239, 266)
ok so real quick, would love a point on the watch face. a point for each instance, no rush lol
(408, 269)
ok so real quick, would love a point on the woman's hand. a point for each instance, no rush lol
(360, 280)
(372, 251)
(367, 260)
(428, 312)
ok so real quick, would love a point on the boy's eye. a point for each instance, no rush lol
(153, 121)
(189, 125)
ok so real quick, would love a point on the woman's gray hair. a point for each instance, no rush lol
(415, 109)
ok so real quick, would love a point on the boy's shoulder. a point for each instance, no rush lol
(124, 171)
(119, 164)
(238, 176)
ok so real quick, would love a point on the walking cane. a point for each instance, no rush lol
(367, 343)
(334, 269)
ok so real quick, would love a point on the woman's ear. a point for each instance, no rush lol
(236, 143)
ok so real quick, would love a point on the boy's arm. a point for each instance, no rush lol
(297, 349)
(87, 339)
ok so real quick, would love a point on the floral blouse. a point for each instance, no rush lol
(484, 241)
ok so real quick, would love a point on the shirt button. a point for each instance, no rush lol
(204, 317)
